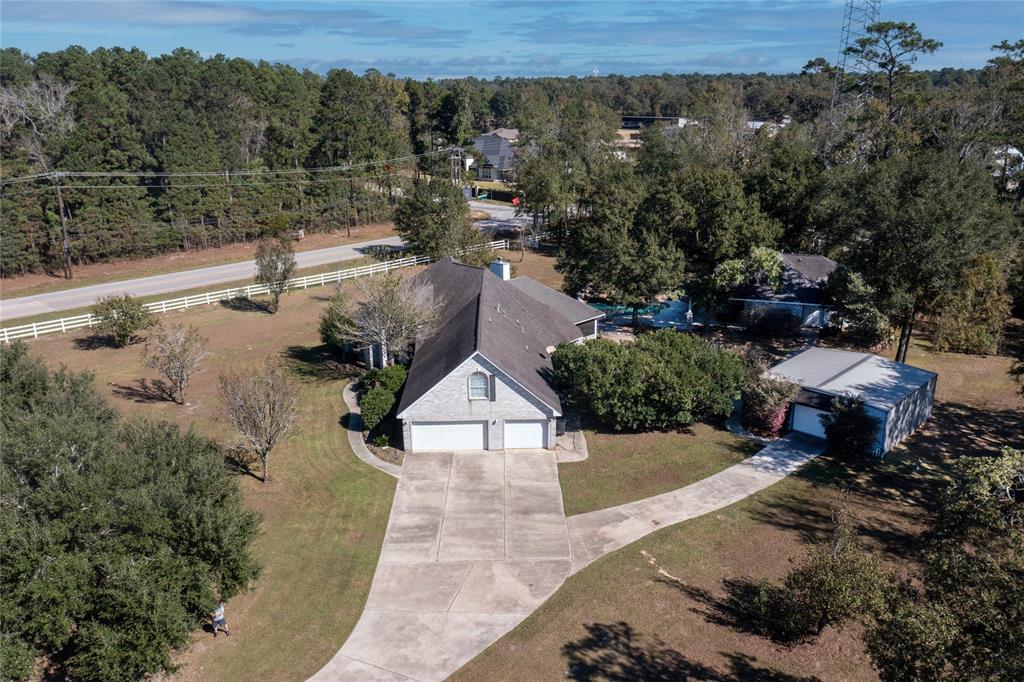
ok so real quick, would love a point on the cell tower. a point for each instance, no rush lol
(857, 16)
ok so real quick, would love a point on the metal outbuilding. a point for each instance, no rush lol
(899, 396)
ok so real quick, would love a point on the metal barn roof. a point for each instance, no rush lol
(877, 381)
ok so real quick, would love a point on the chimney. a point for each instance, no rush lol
(501, 269)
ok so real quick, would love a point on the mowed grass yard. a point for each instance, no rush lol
(620, 619)
(622, 467)
(324, 512)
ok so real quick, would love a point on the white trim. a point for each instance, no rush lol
(590, 319)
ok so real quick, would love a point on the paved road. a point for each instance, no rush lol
(69, 299)
(171, 281)
(502, 217)
(475, 543)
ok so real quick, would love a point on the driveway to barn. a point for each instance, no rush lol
(475, 543)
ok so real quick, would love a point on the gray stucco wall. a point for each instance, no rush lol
(449, 401)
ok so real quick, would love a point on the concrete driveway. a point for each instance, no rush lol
(476, 542)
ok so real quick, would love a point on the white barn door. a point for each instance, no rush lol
(806, 420)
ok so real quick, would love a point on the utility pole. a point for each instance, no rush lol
(65, 242)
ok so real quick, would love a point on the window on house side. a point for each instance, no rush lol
(478, 386)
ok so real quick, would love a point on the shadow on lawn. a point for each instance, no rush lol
(318, 362)
(146, 391)
(98, 341)
(614, 651)
(246, 305)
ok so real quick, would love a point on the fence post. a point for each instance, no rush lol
(35, 331)
(207, 298)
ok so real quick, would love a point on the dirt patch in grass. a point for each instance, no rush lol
(324, 512)
(539, 266)
(621, 619)
(623, 467)
(96, 273)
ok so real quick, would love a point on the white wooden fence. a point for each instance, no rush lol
(64, 324)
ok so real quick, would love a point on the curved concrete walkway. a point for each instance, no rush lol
(597, 533)
(478, 541)
(355, 435)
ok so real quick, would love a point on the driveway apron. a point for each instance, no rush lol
(475, 543)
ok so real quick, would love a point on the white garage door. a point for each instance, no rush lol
(427, 436)
(525, 435)
(806, 420)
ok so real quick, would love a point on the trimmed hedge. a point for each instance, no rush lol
(664, 380)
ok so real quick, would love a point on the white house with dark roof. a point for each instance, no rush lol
(801, 291)
(897, 395)
(499, 153)
(483, 380)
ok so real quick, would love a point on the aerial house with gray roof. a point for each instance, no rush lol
(801, 289)
(483, 380)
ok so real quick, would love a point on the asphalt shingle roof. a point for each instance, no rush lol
(481, 313)
(803, 277)
(568, 307)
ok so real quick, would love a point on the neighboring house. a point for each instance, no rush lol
(483, 380)
(899, 396)
(801, 291)
(498, 149)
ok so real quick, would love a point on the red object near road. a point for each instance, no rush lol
(515, 201)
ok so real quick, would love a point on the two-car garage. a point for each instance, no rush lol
(472, 435)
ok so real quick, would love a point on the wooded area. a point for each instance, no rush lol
(184, 152)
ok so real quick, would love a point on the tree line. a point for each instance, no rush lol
(907, 185)
(250, 128)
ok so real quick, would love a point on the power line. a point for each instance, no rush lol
(224, 173)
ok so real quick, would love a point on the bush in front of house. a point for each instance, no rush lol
(766, 322)
(391, 378)
(766, 397)
(375, 405)
(850, 432)
(664, 380)
(380, 392)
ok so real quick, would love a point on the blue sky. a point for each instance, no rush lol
(450, 38)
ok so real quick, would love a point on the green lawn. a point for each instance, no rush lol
(321, 537)
(623, 467)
